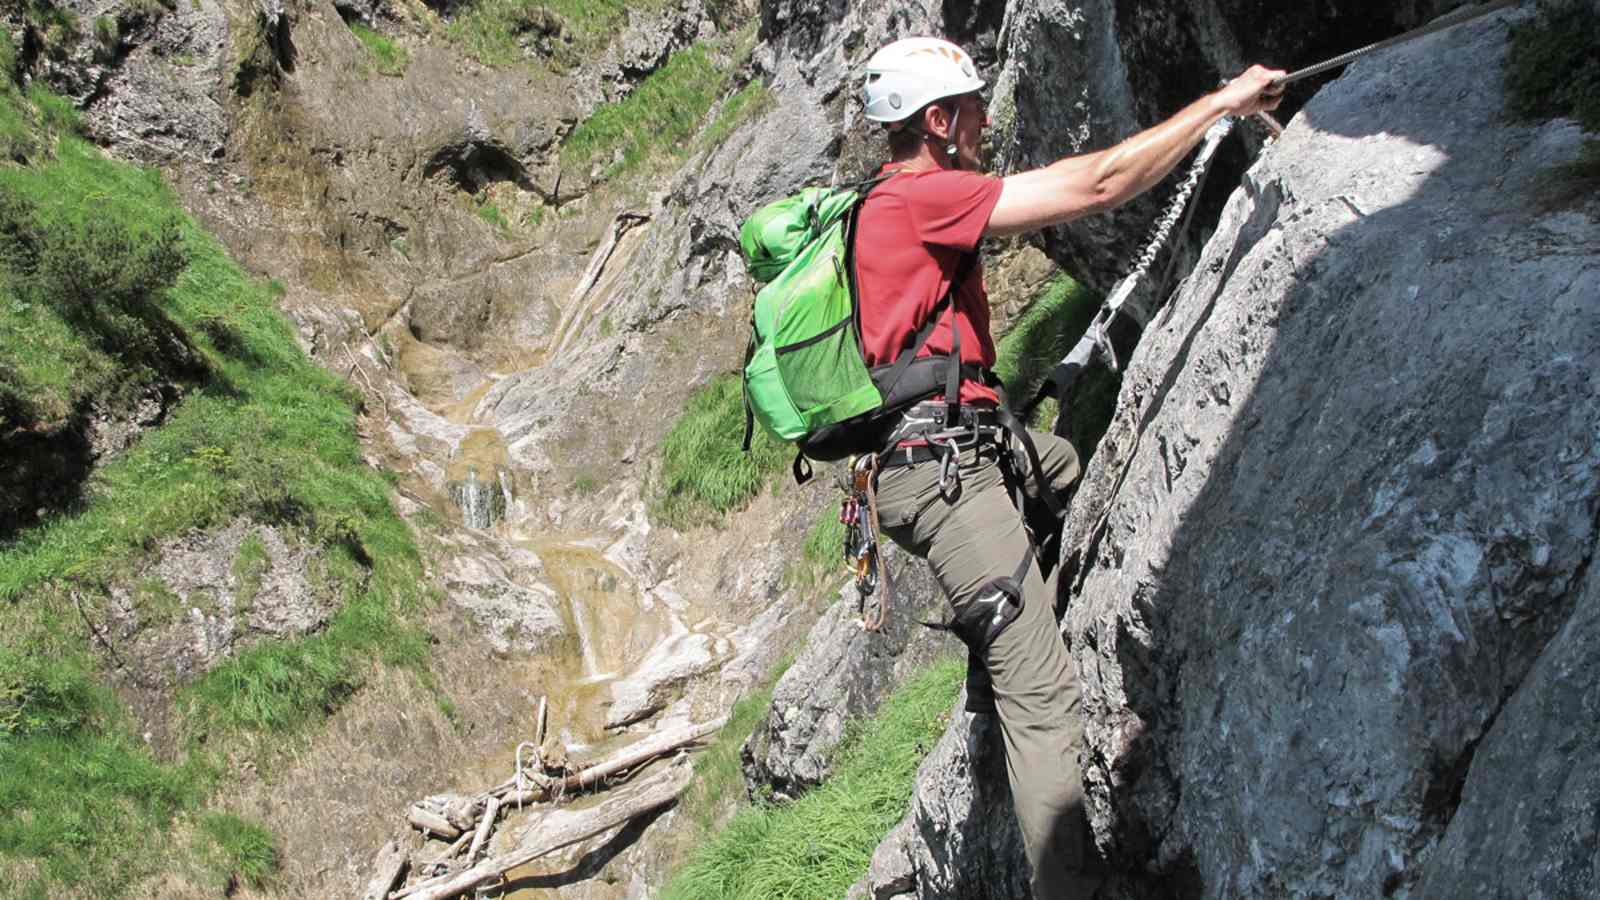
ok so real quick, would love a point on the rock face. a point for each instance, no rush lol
(1349, 506)
(960, 840)
(1330, 565)
(843, 673)
(1081, 76)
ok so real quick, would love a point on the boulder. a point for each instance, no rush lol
(844, 673)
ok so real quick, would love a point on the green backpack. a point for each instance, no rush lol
(805, 379)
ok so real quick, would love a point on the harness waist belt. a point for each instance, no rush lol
(927, 418)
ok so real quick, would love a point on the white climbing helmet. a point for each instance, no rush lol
(908, 74)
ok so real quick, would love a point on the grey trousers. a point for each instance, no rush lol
(968, 540)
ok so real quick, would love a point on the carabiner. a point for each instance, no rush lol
(950, 469)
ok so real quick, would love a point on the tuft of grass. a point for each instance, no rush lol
(1553, 68)
(1041, 336)
(108, 34)
(249, 565)
(506, 32)
(86, 804)
(719, 772)
(704, 469)
(817, 846)
(494, 218)
(745, 105)
(655, 121)
(387, 56)
(821, 560)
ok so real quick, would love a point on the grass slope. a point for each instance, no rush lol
(704, 469)
(107, 287)
(818, 845)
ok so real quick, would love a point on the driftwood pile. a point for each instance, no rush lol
(464, 824)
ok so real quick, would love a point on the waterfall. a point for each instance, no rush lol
(482, 504)
(591, 662)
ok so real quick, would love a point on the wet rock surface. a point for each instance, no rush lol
(500, 588)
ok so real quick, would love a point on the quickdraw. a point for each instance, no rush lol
(859, 513)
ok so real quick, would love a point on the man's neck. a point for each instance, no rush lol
(926, 159)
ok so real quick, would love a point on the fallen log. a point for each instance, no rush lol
(427, 820)
(628, 758)
(386, 871)
(491, 810)
(563, 828)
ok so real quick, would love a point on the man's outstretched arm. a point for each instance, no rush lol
(1080, 185)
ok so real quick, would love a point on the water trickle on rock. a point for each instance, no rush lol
(482, 503)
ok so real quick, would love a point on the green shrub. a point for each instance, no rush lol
(1037, 341)
(1553, 68)
(389, 57)
(818, 845)
(704, 469)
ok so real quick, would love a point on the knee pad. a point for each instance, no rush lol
(990, 611)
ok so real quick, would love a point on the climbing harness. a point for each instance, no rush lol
(924, 434)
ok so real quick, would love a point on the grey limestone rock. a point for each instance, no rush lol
(147, 76)
(515, 612)
(1081, 76)
(960, 840)
(1348, 499)
(204, 598)
(1527, 825)
(843, 674)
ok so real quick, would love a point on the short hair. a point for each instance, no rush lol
(904, 136)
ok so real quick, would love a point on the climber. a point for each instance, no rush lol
(950, 500)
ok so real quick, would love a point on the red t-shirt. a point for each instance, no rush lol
(913, 231)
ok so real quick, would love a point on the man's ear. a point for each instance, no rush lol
(936, 122)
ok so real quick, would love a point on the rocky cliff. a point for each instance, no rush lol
(1329, 569)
